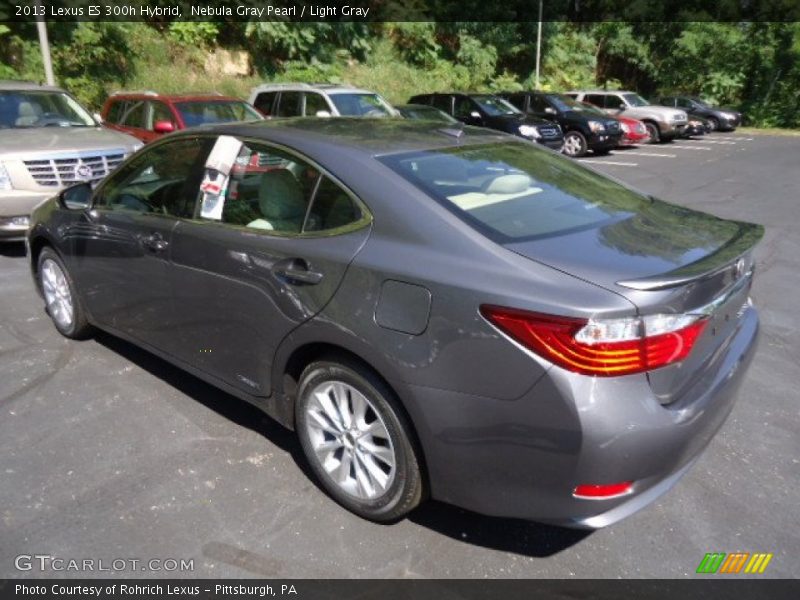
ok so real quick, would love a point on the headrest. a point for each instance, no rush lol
(508, 184)
(280, 196)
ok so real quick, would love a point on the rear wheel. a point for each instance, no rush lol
(356, 441)
(575, 144)
(653, 132)
(62, 301)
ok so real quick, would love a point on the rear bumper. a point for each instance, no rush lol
(523, 458)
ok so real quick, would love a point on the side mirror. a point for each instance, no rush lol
(164, 127)
(550, 110)
(621, 106)
(76, 197)
(322, 113)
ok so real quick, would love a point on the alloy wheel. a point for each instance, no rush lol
(57, 294)
(350, 440)
(573, 145)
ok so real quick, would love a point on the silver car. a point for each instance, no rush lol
(662, 123)
(48, 141)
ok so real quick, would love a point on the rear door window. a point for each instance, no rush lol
(289, 105)
(115, 111)
(595, 99)
(444, 103)
(264, 102)
(135, 114)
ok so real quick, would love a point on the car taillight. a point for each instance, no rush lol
(602, 347)
(603, 491)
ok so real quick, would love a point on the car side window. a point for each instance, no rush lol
(315, 103)
(538, 104)
(159, 112)
(267, 190)
(289, 105)
(595, 99)
(115, 111)
(463, 107)
(331, 208)
(134, 114)
(264, 102)
(684, 103)
(442, 103)
(160, 180)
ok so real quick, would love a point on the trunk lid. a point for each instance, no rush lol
(665, 259)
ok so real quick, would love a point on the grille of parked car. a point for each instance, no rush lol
(71, 169)
(548, 131)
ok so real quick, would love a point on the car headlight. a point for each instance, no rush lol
(5, 179)
(596, 126)
(728, 115)
(17, 222)
(529, 131)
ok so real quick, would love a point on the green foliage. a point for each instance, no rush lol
(194, 33)
(415, 42)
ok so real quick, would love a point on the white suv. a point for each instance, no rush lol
(321, 100)
(662, 123)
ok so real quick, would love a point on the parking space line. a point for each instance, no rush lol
(632, 153)
(712, 142)
(690, 147)
(609, 162)
(734, 139)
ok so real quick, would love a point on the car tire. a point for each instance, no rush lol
(714, 123)
(61, 299)
(357, 440)
(575, 144)
(653, 132)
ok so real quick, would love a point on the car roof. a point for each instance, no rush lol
(328, 88)
(187, 97)
(10, 85)
(367, 137)
(599, 92)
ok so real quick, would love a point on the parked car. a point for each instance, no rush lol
(48, 141)
(722, 119)
(486, 110)
(458, 314)
(663, 124)
(149, 115)
(421, 111)
(584, 130)
(320, 100)
(633, 131)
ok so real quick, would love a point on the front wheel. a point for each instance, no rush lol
(575, 144)
(714, 123)
(357, 441)
(63, 304)
(653, 132)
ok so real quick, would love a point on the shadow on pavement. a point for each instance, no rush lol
(12, 249)
(507, 535)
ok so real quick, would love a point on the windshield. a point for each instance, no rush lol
(360, 105)
(215, 111)
(494, 106)
(635, 100)
(22, 109)
(699, 101)
(514, 191)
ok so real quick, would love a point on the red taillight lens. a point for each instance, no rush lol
(601, 347)
(599, 492)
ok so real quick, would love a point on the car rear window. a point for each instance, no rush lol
(513, 191)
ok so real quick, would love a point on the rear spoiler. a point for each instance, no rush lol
(712, 265)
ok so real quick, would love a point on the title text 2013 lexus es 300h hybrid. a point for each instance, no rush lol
(441, 312)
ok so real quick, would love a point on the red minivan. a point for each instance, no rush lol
(149, 115)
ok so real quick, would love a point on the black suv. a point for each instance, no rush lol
(722, 119)
(583, 129)
(486, 110)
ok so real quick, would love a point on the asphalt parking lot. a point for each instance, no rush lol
(108, 452)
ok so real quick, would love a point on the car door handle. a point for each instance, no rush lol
(296, 270)
(154, 242)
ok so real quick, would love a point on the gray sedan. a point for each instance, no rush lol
(436, 312)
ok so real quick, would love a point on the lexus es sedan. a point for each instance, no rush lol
(436, 312)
